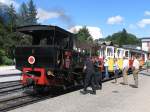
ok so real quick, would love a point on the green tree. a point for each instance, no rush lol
(32, 13)
(83, 35)
(1, 22)
(9, 19)
(23, 15)
(13, 17)
(123, 38)
(27, 14)
(2, 53)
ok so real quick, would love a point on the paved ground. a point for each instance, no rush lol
(5, 70)
(112, 98)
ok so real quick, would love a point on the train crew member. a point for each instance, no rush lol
(98, 74)
(89, 77)
(116, 70)
(135, 68)
(106, 68)
(67, 62)
(125, 70)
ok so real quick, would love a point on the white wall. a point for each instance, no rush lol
(144, 46)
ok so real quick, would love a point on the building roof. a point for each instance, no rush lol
(145, 39)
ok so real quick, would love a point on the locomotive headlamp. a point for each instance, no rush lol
(50, 73)
(31, 59)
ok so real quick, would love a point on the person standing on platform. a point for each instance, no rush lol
(116, 70)
(125, 70)
(98, 74)
(89, 77)
(135, 68)
(106, 68)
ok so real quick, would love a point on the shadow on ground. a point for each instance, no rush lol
(142, 73)
(132, 85)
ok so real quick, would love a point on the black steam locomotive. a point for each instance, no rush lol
(50, 60)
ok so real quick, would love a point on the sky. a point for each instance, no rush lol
(102, 17)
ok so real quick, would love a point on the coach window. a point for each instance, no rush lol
(110, 52)
(101, 53)
(120, 53)
(127, 54)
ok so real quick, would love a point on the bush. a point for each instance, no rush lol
(7, 61)
(2, 53)
(4, 60)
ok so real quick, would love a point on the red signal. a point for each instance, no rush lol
(31, 59)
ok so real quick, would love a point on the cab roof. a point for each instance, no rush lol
(36, 30)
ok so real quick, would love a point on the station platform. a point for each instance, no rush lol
(2, 68)
(7, 71)
(112, 98)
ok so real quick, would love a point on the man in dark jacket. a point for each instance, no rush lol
(89, 77)
(98, 74)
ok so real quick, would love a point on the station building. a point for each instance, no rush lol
(146, 44)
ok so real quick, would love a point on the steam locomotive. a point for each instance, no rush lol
(50, 60)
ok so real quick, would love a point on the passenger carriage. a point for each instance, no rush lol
(112, 52)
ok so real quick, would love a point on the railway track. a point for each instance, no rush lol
(9, 84)
(7, 88)
(10, 89)
(14, 101)
(23, 99)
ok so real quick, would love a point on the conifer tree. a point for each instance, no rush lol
(23, 15)
(32, 13)
(12, 17)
